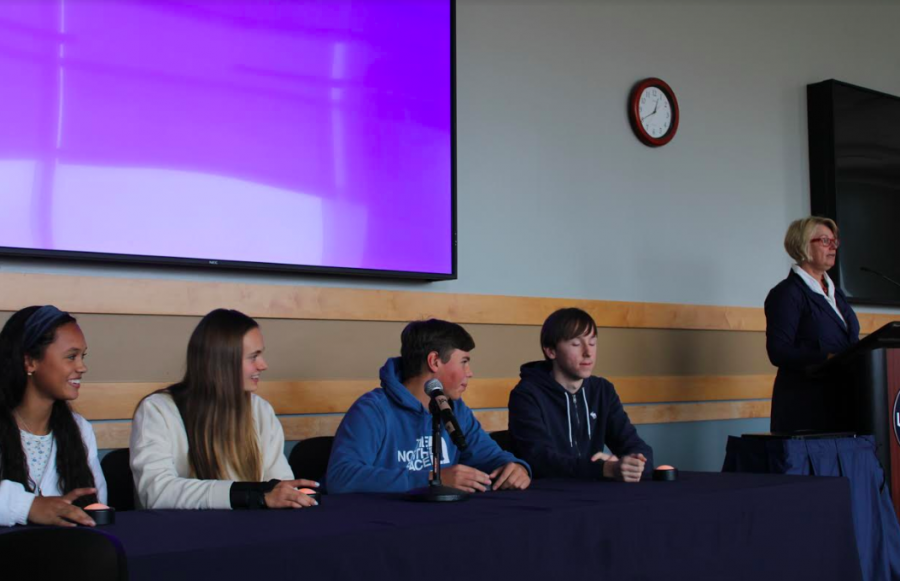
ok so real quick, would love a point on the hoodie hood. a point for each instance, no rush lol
(540, 373)
(395, 390)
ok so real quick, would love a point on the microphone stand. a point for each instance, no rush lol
(436, 491)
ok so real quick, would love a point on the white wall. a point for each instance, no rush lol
(555, 195)
(553, 179)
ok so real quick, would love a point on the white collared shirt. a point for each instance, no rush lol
(817, 288)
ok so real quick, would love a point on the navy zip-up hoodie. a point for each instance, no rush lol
(557, 432)
(384, 442)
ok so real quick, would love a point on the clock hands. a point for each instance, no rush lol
(655, 107)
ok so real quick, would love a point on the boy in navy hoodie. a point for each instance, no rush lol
(384, 442)
(561, 416)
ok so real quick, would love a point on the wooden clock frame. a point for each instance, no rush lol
(634, 115)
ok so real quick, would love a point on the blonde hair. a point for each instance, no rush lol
(799, 234)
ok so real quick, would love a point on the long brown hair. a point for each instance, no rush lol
(215, 408)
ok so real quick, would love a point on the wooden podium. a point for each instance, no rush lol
(872, 368)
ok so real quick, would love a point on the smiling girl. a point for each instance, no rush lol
(48, 455)
(209, 442)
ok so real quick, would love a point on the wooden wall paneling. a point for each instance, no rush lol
(94, 294)
(89, 294)
(686, 388)
(698, 412)
(117, 401)
(115, 434)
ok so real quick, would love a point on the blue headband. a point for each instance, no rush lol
(39, 323)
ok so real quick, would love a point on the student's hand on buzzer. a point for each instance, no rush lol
(628, 469)
(286, 495)
(465, 478)
(59, 510)
(512, 476)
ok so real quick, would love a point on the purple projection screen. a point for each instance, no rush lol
(275, 134)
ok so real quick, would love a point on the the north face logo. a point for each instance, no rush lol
(419, 458)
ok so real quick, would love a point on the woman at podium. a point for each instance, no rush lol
(808, 320)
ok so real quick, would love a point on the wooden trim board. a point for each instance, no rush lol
(117, 401)
(104, 295)
(107, 295)
(116, 434)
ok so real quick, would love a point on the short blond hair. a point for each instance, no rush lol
(799, 233)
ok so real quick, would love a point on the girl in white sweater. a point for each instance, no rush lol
(48, 455)
(208, 442)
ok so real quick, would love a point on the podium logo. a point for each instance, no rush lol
(895, 416)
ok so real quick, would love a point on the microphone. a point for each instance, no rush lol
(884, 276)
(435, 391)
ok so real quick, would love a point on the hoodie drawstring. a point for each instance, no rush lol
(569, 417)
(587, 414)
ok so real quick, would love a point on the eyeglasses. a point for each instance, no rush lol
(826, 242)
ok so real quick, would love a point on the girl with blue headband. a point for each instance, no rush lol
(49, 467)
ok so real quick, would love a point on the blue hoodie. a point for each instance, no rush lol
(558, 432)
(384, 442)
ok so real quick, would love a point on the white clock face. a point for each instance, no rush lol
(655, 112)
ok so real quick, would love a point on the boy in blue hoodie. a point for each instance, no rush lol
(561, 416)
(384, 442)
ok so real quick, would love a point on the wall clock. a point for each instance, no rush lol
(653, 111)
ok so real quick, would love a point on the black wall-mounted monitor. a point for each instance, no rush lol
(854, 165)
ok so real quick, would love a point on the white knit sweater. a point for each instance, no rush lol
(159, 457)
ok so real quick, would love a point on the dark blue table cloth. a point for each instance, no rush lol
(875, 523)
(704, 526)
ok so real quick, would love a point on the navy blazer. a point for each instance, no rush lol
(801, 330)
